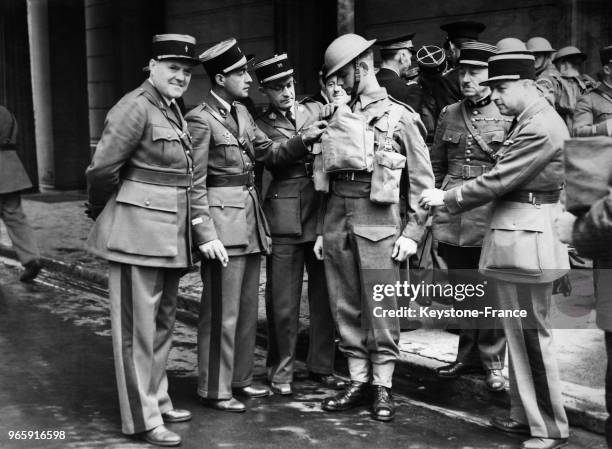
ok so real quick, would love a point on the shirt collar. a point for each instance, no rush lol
(375, 95)
(479, 103)
(221, 101)
(166, 100)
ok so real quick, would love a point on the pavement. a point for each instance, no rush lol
(62, 227)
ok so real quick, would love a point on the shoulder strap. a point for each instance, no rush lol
(393, 118)
(486, 148)
(241, 140)
(604, 94)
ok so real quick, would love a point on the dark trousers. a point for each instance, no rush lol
(227, 325)
(143, 307)
(284, 278)
(535, 385)
(487, 345)
(609, 388)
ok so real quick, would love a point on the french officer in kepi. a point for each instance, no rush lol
(362, 236)
(291, 207)
(468, 136)
(235, 231)
(141, 176)
(521, 251)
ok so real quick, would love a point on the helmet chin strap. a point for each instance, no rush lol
(356, 80)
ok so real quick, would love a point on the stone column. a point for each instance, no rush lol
(38, 31)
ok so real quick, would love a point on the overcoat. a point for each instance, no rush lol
(13, 176)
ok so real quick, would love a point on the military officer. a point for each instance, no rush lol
(593, 115)
(361, 240)
(141, 176)
(13, 179)
(291, 206)
(468, 136)
(235, 229)
(396, 55)
(521, 251)
(457, 33)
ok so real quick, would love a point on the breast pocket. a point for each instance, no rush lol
(169, 143)
(228, 149)
(494, 139)
(145, 220)
(451, 137)
(228, 210)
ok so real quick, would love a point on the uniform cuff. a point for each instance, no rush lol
(453, 200)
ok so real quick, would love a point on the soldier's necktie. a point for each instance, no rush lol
(290, 117)
(234, 114)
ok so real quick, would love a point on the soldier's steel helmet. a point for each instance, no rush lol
(343, 50)
(539, 45)
(510, 45)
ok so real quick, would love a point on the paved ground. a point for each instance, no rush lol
(57, 372)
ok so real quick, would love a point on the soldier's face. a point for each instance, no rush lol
(540, 60)
(345, 78)
(509, 97)
(170, 77)
(470, 78)
(281, 93)
(237, 82)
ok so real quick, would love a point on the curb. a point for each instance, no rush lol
(410, 365)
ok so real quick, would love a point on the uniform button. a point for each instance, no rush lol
(147, 203)
(475, 112)
(168, 136)
(191, 170)
(473, 119)
(467, 159)
(468, 152)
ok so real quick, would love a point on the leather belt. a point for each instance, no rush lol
(241, 179)
(294, 171)
(160, 178)
(536, 197)
(468, 171)
(358, 176)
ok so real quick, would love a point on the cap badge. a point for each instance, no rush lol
(186, 49)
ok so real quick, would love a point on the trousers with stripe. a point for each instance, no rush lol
(227, 325)
(535, 385)
(477, 346)
(143, 308)
(285, 274)
(18, 228)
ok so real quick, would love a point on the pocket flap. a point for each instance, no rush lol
(226, 138)
(374, 233)
(220, 203)
(149, 196)
(290, 189)
(163, 133)
(495, 136)
(520, 219)
(391, 159)
(451, 136)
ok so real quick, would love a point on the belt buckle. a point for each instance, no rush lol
(465, 171)
(533, 200)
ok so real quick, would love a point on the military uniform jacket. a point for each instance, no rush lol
(521, 245)
(457, 156)
(396, 87)
(291, 204)
(13, 176)
(593, 115)
(145, 221)
(408, 139)
(225, 148)
(447, 90)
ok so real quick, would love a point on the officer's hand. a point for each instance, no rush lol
(328, 110)
(318, 247)
(432, 198)
(564, 225)
(313, 132)
(403, 248)
(215, 250)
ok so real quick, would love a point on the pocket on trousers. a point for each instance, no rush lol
(145, 220)
(283, 210)
(374, 245)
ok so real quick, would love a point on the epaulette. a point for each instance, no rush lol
(395, 100)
